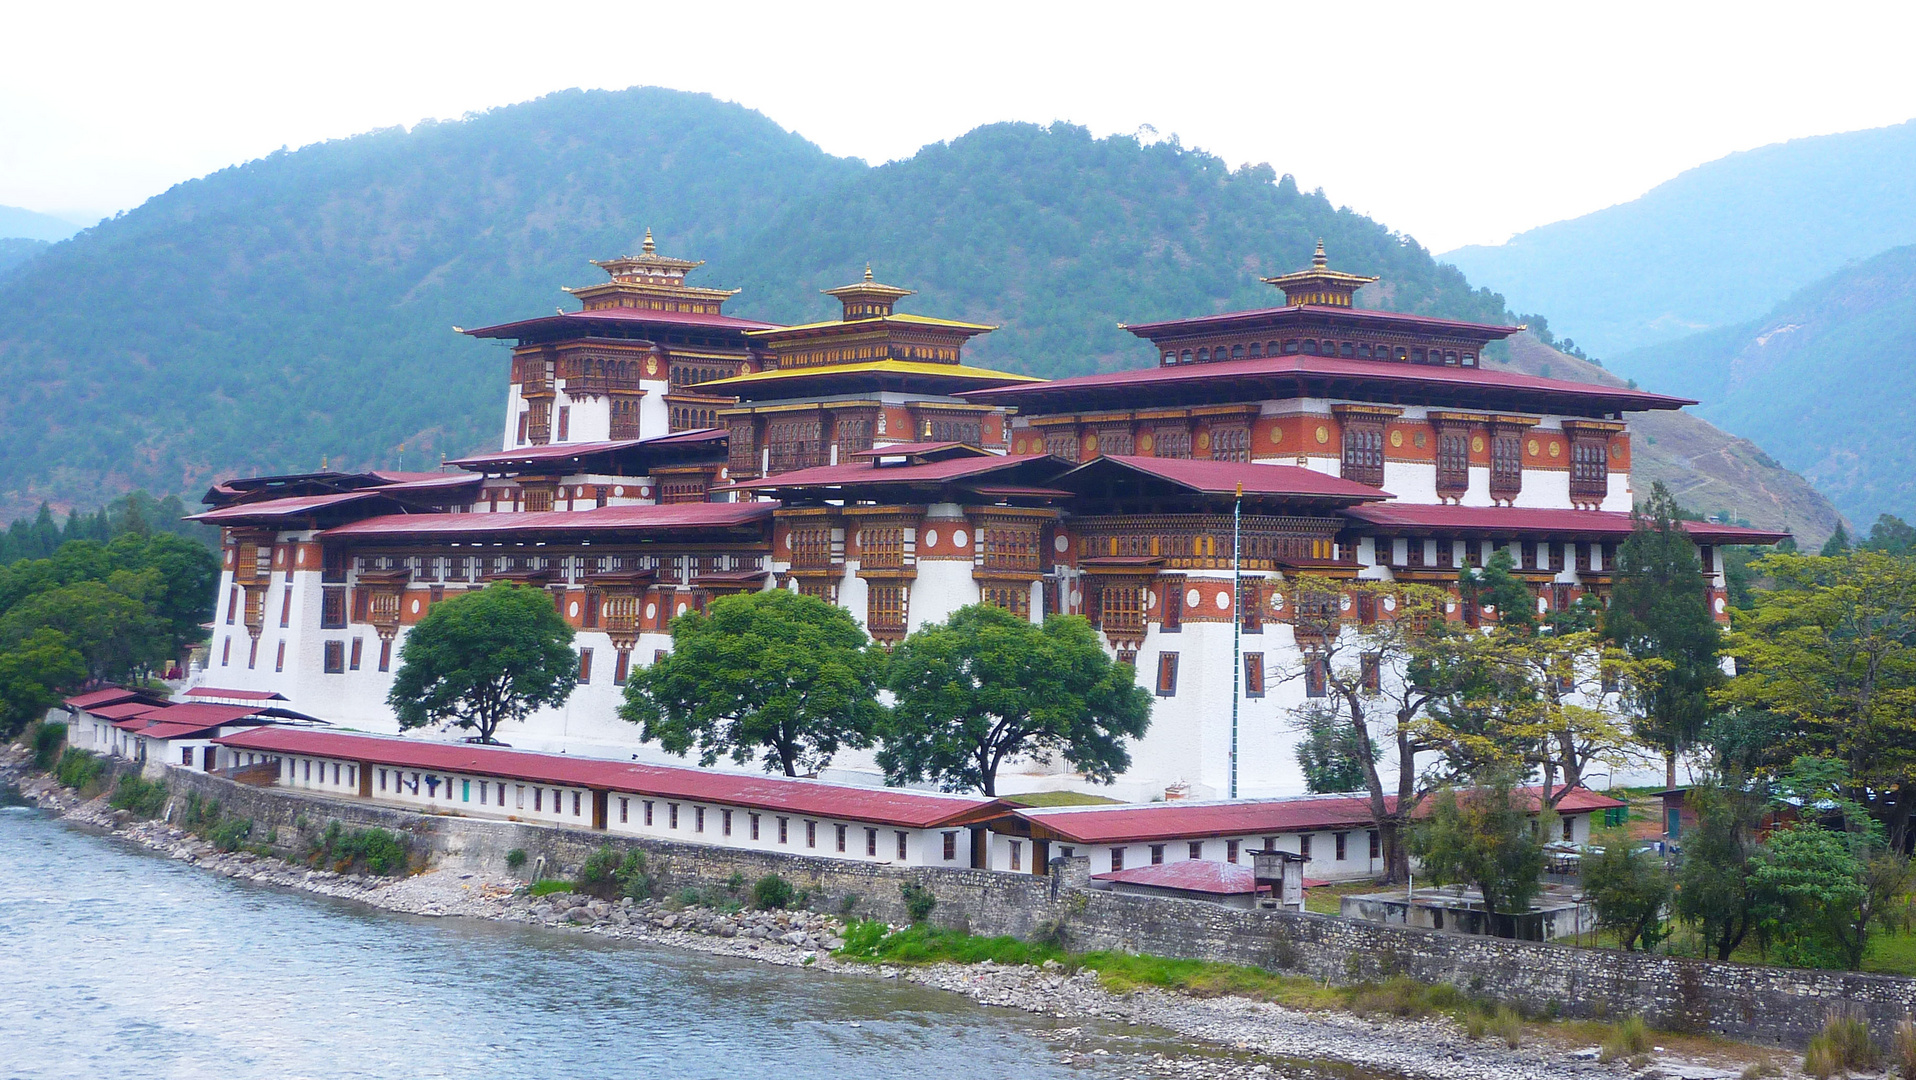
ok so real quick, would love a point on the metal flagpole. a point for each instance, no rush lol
(1237, 627)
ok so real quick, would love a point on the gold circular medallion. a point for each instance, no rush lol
(1090, 444)
(1476, 444)
(1277, 434)
(651, 365)
(1144, 444)
(1204, 440)
(1616, 451)
(1556, 449)
(1396, 438)
(1323, 434)
(1420, 440)
(1534, 448)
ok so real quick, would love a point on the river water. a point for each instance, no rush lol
(115, 962)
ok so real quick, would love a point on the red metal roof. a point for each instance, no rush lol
(1395, 320)
(1191, 875)
(563, 451)
(1242, 817)
(285, 508)
(125, 710)
(1518, 520)
(584, 321)
(1223, 478)
(104, 696)
(235, 695)
(427, 481)
(858, 474)
(910, 448)
(1303, 366)
(601, 519)
(885, 806)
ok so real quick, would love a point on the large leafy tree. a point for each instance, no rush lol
(1483, 836)
(1658, 611)
(774, 673)
(107, 622)
(33, 672)
(985, 686)
(484, 658)
(1716, 888)
(1831, 647)
(1629, 886)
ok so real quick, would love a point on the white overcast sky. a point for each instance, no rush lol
(1457, 123)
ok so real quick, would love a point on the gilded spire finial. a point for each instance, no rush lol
(1320, 260)
(650, 247)
(868, 270)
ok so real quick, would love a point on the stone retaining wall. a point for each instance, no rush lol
(1760, 1004)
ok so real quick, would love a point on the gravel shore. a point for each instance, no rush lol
(1181, 1035)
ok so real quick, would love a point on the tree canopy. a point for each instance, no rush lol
(1484, 836)
(774, 673)
(483, 658)
(985, 686)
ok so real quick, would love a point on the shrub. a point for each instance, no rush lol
(377, 851)
(139, 796)
(515, 859)
(735, 884)
(1475, 1024)
(198, 814)
(1902, 1049)
(600, 874)
(772, 892)
(229, 834)
(918, 902)
(1842, 1045)
(79, 769)
(548, 886)
(1627, 1039)
(634, 882)
(1508, 1026)
(47, 739)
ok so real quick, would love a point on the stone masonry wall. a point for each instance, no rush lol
(1761, 1004)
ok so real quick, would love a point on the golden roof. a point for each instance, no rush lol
(897, 319)
(874, 367)
(1320, 278)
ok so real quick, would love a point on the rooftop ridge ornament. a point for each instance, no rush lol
(1320, 285)
(868, 299)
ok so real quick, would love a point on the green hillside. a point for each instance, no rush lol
(1823, 382)
(16, 250)
(1718, 245)
(300, 307)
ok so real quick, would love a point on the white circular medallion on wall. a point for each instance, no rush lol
(1192, 598)
(958, 538)
(1344, 603)
(1719, 605)
(415, 606)
(645, 491)
(651, 611)
(681, 610)
(931, 539)
(1543, 606)
(1224, 601)
(788, 541)
(619, 491)
(572, 609)
(1076, 598)
(1450, 606)
(1060, 544)
(1150, 599)
(1277, 601)
(1390, 603)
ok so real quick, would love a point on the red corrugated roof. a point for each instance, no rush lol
(1517, 520)
(283, 508)
(910, 448)
(1303, 366)
(562, 451)
(104, 696)
(1223, 478)
(601, 519)
(1191, 875)
(860, 474)
(584, 321)
(235, 695)
(125, 710)
(883, 806)
(1243, 817)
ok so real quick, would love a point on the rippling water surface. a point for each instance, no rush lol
(118, 963)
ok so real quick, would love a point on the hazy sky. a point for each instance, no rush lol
(1456, 123)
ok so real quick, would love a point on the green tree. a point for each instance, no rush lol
(1831, 647)
(1629, 886)
(1329, 755)
(1658, 611)
(1493, 588)
(33, 673)
(1837, 544)
(777, 673)
(1716, 889)
(114, 632)
(1891, 535)
(185, 575)
(985, 685)
(483, 658)
(1484, 836)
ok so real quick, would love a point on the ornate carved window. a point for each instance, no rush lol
(1589, 468)
(1062, 443)
(1173, 442)
(1120, 609)
(1364, 453)
(1173, 615)
(812, 546)
(1167, 674)
(1506, 464)
(332, 609)
(1116, 441)
(1253, 674)
(683, 489)
(960, 429)
(742, 446)
(625, 417)
(1011, 547)
(794, 444)
(853, 434)
(885, 610)
(1250, 613)
(539, 422)
(1231, 442)
(1453, 461)
(1316, 671)
(881, 547)
(1014, 596)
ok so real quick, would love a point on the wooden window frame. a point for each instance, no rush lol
(1167, 674)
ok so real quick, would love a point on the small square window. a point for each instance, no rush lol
(1157, 854)
(1197, 849)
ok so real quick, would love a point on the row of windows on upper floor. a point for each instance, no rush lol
(1349, 350)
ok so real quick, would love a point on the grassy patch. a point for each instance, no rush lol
(80, 770)
(47, 741)
(139, 796)
(1326, 899)
(548, 886)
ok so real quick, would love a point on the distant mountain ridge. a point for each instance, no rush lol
(1717, 245)
(299, 307)
(1824, 381)
(16, 223)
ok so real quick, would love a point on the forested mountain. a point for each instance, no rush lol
(1823, 381)
(300, 306)
(16, 250)
(1718, 245)
(16, 223)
